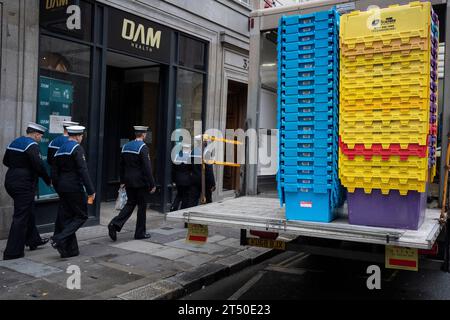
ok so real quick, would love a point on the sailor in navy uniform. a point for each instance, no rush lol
(25, 166)
(136, 176)
(71, 179)
(56, 143)
(53, 147)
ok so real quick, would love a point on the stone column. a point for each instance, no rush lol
(19, 44)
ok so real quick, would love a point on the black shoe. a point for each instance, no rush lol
(145, 236)
(40, 243)
(13, 257)
(112, 232)
(63, 253)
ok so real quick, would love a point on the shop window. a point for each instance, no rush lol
(64, 73)
(189, 99)
(54, 17)
(268, 67)
(192, 53)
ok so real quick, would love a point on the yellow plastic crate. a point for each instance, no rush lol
(385, 138)
(384, 173)
(388, 104)
(402, 185)
(413, 162)
(387, 57)
(384, 126)
(402, 80)
(393, 45)
(414, 68)
(418, 113)
(412, 168)
(402, 91)
(394, 22)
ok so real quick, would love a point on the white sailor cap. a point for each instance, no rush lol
(75, 130)
(198, 137)
(69, 124)
(140, 129)
(36, 127)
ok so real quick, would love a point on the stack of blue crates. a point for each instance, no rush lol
(308, 105)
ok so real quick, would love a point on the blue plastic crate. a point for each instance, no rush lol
(321, 134)
(295, 143)
(308, 206)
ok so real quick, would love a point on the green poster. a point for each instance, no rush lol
(55, 104)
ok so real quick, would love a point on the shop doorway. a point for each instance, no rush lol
(133, 97)
(236, 114)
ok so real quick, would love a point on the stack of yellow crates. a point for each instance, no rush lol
(388, 112)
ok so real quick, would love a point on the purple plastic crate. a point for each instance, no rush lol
(388, 211)
(432, 118)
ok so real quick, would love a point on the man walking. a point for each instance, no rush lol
(53, 147)
(71, 178)
(136, 176)
(25, 166)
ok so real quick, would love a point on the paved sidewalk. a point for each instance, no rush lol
(163, 267)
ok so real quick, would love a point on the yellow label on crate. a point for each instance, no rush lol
(266, 243)
(410, 20)
(197, 233)
(402, 258)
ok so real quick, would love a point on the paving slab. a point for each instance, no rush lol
(171, 253)
(10, 278)
(163, 239)
(29, 267)
(208, 248)
(96, 278)
(167, 231)
(139, 246)
(216, 238)
(40, 289)
(81, 261)
(102, 251)
(148, 265)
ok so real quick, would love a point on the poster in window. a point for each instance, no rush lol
(55, 103)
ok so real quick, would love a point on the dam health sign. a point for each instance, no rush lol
(138, 36)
